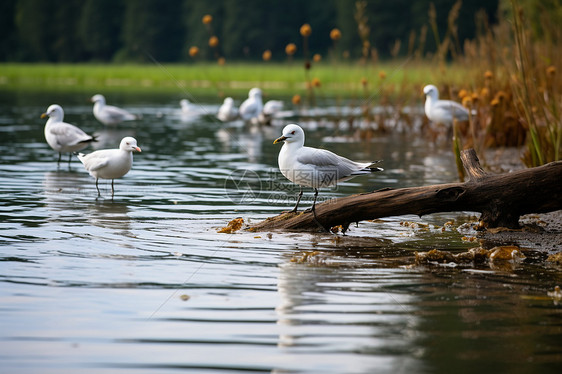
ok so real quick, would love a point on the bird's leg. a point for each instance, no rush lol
(69, 158)
(314, 202)
(298, 201)
(313, 209)
(97, 188)
(58, 162)
(112, 188)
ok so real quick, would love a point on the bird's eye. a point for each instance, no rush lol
(292, 132)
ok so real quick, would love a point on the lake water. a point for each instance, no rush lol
(144, 283)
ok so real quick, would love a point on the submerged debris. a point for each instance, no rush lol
(556, 294)
(555, 258)
(308, 257)
(234, 225)
(415, 225)
(473, 255)
(505, 253)
(336, 229)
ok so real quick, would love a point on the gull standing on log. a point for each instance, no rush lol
(313, 167)
(442, 111)
(108, 114)
(64, 137)
(110, 163)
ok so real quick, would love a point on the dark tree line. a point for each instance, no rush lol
(138, 30)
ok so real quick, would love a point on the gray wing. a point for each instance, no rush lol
(68, 134)
(116, 113)
(95, 160)
(451, 108)
(272, 107)
(323, 159)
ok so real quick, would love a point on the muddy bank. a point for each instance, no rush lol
(541, 232)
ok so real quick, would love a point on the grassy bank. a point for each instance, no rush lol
(342, 80)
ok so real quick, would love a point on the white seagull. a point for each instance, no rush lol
(270, 109)
(442, 111)
(185, 106)
(108, 114)
(64, 137)
(110, 163)
(227, 111)
(252, 107)
(313, 167)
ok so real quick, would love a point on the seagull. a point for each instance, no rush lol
(270, 109)
(185, 106)
(313, 167)
(227, 111)
(108, 114)
(64, 137)
(110, 163)
(252, 106)
(442, 111)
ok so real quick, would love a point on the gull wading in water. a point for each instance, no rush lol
(442, 111)
(110, 163)
(185, 106)
(313, 167)
(108, 114)
(270, 109)
(227, 111)
(252, 107)
(64, 137)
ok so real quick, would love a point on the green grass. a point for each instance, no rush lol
(343, 80)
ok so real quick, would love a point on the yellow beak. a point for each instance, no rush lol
(279, 140)
(44, 115)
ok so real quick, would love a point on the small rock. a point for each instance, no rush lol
(506, 253)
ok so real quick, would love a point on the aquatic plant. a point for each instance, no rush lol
(537, 89)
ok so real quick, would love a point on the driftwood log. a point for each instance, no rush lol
(501, 198)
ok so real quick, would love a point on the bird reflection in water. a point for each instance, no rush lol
(110, 215)
(63, 190)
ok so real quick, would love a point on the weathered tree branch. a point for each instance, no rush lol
(501, 199)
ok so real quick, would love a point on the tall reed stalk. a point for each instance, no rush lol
(536, 89)
(522, 87)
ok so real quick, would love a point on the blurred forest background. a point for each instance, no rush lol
(500, 58)
(133, 30)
